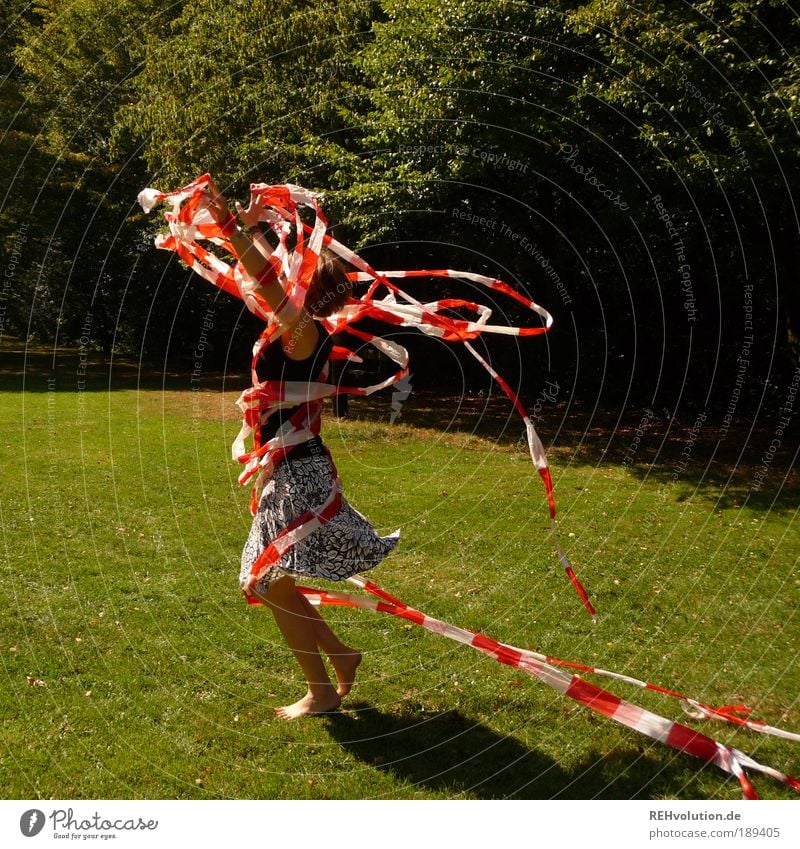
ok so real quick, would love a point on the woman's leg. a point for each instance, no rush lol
(344, 660)
(300, 634)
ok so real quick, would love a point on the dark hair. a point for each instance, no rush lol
(330, 289)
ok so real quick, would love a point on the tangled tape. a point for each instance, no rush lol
(190, 222)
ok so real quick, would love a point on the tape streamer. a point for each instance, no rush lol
(545, 669)
(190, 223)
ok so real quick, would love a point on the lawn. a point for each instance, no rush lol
(133, 668)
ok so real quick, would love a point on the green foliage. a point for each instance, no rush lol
(250, 91)
(569, 147)
(712, 91)
(452, 86)
(19, 159)
(75, 188)
(524, 140)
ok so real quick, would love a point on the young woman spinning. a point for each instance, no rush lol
(303, 479)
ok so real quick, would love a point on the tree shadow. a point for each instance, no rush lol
(717, 467)
(728, 488)
(451, 754)
(35, 369)
(684, 457)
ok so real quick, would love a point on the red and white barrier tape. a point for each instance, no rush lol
(189, 221)
(543, 668)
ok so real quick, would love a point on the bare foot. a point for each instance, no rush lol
(310, 705)
(345, 665)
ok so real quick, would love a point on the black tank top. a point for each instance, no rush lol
(273, 364)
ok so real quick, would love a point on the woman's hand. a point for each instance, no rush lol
(248, 584)
(216, 203)
(252, 215)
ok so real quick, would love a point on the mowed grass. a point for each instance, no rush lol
(132, 668)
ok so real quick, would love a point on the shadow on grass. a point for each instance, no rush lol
(65, 370)
(681, 457)
(448, 753)
(706, 464)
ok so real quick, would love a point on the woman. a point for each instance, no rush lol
(302, 480)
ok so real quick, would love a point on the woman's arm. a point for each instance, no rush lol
(300, 337)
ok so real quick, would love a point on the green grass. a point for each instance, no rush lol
(133, 668)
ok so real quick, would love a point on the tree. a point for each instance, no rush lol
(20, 161)
(632, 168)
(713, 89)
(93, 270)
(646, 185)
(251, 92)
(471, 103)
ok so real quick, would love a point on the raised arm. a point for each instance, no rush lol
(300, 337)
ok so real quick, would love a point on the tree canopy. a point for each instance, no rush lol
(634, 168)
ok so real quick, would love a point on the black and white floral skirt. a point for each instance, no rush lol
(344, 546)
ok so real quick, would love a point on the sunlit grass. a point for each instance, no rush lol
(133, 668)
